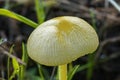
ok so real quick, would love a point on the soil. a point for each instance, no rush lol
(105, 19)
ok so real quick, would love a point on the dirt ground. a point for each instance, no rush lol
(105, 19)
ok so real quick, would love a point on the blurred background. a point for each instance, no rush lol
(103, 15)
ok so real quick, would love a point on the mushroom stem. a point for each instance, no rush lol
(62, 69)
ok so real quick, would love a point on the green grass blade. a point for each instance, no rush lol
(90, 67)
(8, 61)
(83, 67)
(24, 52)
(43, 72)
(5, 12)
(72, 72)
(39, 11)
(16, 68)
(92, 15)
(12, 76)
(24, 59)
(40, 71)
(15, 65)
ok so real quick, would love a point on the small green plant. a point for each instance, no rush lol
(19, 70)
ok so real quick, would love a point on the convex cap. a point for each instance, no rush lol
(61, 40)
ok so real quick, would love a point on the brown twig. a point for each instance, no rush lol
(105, 42)
(77, 8)
(6, 52)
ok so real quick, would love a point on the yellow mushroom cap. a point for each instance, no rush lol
(61, 40)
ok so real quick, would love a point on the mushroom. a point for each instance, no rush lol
(60, 41)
